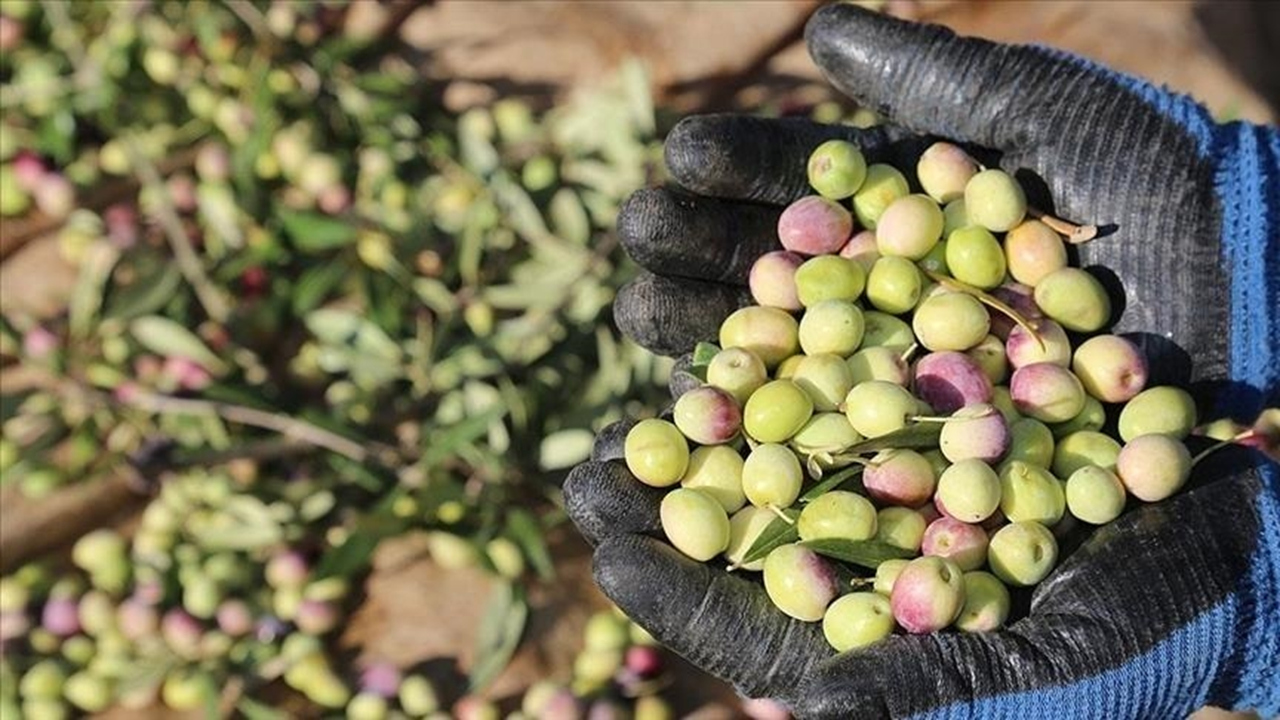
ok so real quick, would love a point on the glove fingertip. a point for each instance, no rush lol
(668, 315)
(610, 443)
(603, 499)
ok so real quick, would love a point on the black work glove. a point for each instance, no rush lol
(1172, 606)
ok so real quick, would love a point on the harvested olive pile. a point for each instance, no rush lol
(906, 399)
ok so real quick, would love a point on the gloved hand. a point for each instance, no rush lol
(1173, 606)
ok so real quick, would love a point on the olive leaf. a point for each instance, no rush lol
(835, 481)
(866, 553)
(500, 631)
(775, 535)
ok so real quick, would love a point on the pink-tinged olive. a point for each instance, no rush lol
(1020, 298)
(644, 661)
(1032, 251)
(317, 617)
(708, 415)
(738, 372)
(1095, 495)
(799, 582)
(862, 249)
(287, 569)
(137, 619)
(968, 491)
(771, 334)
(857, 620)
(961, 543)
(656, 452)
(773, 280)
(1047, 392)
(831, 326)
(950, 380)
(995, 200)
(900, 477)
(878, 363)
(1165, 410)
(975, 431)
(771, 476)
(776, 411)
(986, 603)
(829, 277)
(181, 632)
(877, 407)
(717, 471)
(1075, 299)
(1031, 442)
(950, 321)
(884, 330)
(1111, 368)
(1091, 417)
(836, 169)
(883, 185)
(825, 433)
(1153, 467)
(1030, 494)
(1022, 348)
(894, 285)
(61, 616)
(695, 523)
(814, 225)
(14, 624)
(989, 354)
(900, 527)
(943, 171)
(927, 595)
(825, 378)
(909, 227)
(745, 527)
(474, 707)
(886, 573)
(764, 709)
(1022, 553)
(838, 514)
(235, 618)
(974, 256)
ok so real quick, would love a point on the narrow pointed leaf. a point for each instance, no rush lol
(778, 533)
(866, 553)
(840, 478)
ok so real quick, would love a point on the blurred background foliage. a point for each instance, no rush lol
(316, 311)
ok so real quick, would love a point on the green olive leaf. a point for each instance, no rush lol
(776, 534)
(840, 478)
(866, 553)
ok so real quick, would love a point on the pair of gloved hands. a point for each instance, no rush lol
(1172, 607)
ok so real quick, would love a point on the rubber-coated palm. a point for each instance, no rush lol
(1073, 133)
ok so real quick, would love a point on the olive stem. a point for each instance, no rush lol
(778, 511)
(1242, 435)
(952, 284)
(1075, 234)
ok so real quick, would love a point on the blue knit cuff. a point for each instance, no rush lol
(1246, 158)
